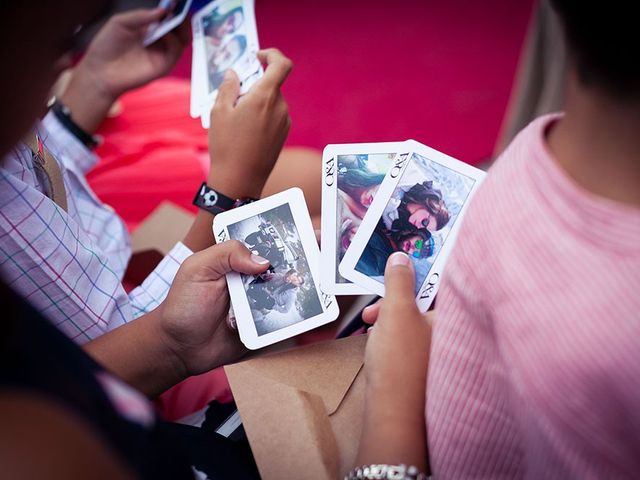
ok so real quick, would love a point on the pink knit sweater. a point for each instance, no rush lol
(535, 364)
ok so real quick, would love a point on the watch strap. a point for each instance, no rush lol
(63, 114)
(215, 202)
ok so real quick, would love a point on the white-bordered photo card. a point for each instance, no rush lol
(227, 38)
(418, 209)
(286, 300)
(351, 176)
(176, 13)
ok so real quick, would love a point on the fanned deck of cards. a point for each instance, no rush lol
(380, 198)
(286, 300)
(225, 37)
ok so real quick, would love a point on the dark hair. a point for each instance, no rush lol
(603, 41)
(425, 194)
(356, 179)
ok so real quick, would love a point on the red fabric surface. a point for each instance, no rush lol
(367, 70)
(438, 72)
(152, 151)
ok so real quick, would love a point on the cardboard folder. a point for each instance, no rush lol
(302, 408)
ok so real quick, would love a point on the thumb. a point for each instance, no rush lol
(141, 17)
(230, 256)
(229, 89)
(399, 279)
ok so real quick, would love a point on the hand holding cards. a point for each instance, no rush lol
(383, 198)
(241, 168)
(286, 300)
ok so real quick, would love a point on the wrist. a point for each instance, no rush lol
(167, 348)
(402, 401)
(401, 410)
(88, 99)
(236, 185)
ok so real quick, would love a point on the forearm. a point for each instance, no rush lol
(87, 101)
(394, 430)
(137, 353)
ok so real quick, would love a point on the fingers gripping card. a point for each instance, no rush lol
(286, 300)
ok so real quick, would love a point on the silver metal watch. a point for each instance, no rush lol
(386, 472)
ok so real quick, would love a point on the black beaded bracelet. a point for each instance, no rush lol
(63, 114)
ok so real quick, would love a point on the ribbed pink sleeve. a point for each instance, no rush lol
(535, 364)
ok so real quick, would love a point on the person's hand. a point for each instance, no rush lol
(397, 353)
(395, 365)
(116, 61)
(247, 133)
(193, 317)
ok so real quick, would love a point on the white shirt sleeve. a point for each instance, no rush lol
(152, 292)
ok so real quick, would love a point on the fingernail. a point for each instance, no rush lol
(258, 259)
(398, 259)
(228, 75)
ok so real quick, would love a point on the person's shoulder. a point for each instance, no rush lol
(17, 166)
(505, 201)
(507, 187)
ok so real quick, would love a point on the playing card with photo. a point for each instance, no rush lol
(227, 38)
(176, 12)
(286, 300)
(245, 85)
(198, 78)
(351, 176)
(418, 209)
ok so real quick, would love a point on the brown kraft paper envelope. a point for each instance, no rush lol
(302, 408)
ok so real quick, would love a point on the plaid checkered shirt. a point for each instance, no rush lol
(70, 265)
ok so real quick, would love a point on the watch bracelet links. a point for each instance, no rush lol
(386, 472)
